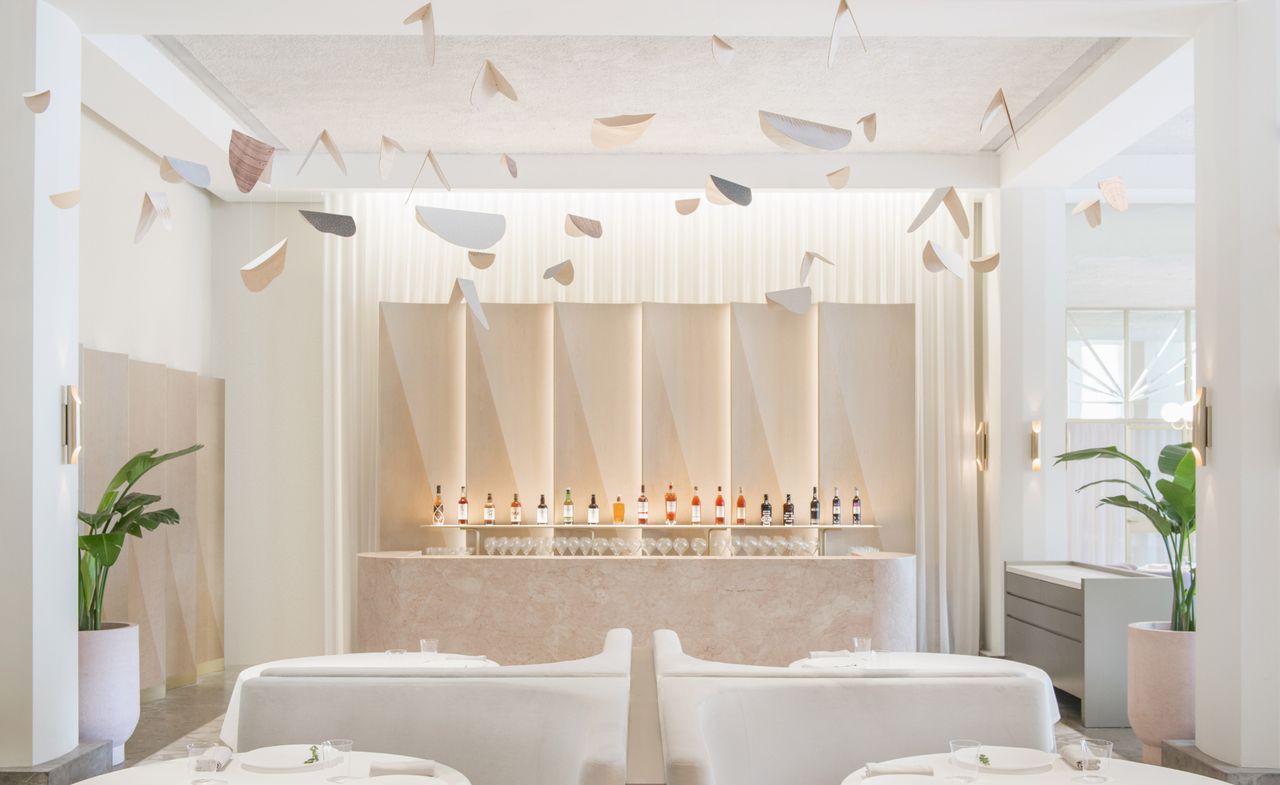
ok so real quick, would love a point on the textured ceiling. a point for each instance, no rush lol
(928, 93)
(1175, 137)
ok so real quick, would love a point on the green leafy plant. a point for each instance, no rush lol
(121, 512)
(1170, 506)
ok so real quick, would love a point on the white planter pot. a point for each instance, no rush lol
(1162, 689)
(109, 697)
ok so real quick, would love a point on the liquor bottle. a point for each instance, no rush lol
(740, 509)
(671, 505)
(593, 512)
(567, 520)
(788, 512)
(695, 508)
(462, 507)
(835, 508)
(857, 508)
(490, 512)
(544, 512)
(719, 506)
(619, 512)
(642, 508)
(517, 510)
(437, 508)
(766, 512)
(814, 509)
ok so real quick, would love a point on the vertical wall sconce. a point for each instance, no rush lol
(70, 424)
(982, 445)
(1035, 445)
(1201, 432)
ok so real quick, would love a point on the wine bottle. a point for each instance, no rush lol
(719, 506)
(788, 512)
(642, 508)
(437, 509)
(815, 509)
(835, 508)
(619, 511)
(544, 512)
(857, 508)
(490, 512)
(740, 509)
(517, 510)
(766, 512)
(462, 507)
(671, 505)
(593, 512)
(695, 508)
(567, 518)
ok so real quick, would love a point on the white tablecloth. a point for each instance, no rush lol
(178, 772)
(373, 661)
(1119, 772)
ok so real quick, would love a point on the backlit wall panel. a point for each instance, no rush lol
(181, 541)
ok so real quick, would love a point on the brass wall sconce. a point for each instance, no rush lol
(1201, 430)
(982, 445)
(70, 424)
(1035, 445)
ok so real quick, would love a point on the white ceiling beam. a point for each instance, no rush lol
(949, 18)
(1135, 90)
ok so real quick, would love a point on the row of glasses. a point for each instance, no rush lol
(446, 551)
(517, 546)
(774, 546)
(1093, 756)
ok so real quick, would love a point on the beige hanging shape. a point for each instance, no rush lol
(463, 228)
(806, 263)
(687, 206)
(481, 260)
(842, 26)
(464, 290)
(986, 264)
(490, 82)
(1114, 193)
(937, 259)
(839, 178)
(65, 200)
(945, 195)
(610, 133)
(562, 273)
(997, 107)
(1092, 209)
(794, 300)
(263, 270)
(176, 170)
(430, 157)
(722, 191)
(387, 152)
(155, 204)
(721, 50)
(510, 163)
(249, 158)
(428, 20)
(577, 226)
(37, 101)
(868, 123)
(329, 145)
(793, 133)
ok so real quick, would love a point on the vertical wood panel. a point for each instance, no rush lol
(774, 378)
(509, 432)
(421, 418)
(181, 541)
(597, 402)
(210, 505)
(147, 570)
(104, 432)
(686, 403)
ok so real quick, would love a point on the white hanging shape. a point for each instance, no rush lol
(868, 123)
(155, 204)
(721, 191)
(610, 133)
(1113, 191)
(463, 228)
(721, 50)
(65, 200)
(37, 100)
(997, 107)
(330, 146)
(250, 160)
(839, 178)
(176, 170)
(428, 20)
(387, 156)
(464, 290)
(263, 270)
(945, 195)
(794, 300)
(489, 82)
(843, 25)
(806, 263)
(986, 264)
(562, 273)
(481, 260)
(937, 259)
(793, 133)
(577, 226)
(510, 163)
(1092, 209)
(687, 206)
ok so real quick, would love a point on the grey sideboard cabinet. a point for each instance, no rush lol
(1071, 620)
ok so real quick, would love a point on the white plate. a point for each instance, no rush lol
(398, 779)
(283, 759)
(1007, 760)
(903, 779)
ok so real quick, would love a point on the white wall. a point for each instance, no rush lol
(1142, 258)
(150, 300)
(268, 348)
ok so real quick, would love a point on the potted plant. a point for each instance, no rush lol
(1161, 654)
(109, 702)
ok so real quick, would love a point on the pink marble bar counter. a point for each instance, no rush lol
(766, 610)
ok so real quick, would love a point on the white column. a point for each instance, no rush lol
(39, 271)
(1026, 509)
(1238, 360)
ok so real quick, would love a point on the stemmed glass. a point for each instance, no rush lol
(780, 545)
(753, 545)
(682, 545)
(736, 543)
(633, 547)
(490, 546)
(617, 545)
(699, 546)
(664, 546)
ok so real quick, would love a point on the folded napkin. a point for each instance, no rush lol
(1078, 759)
(220, 754)
(880, 769)
(818, 655)
(421, 768)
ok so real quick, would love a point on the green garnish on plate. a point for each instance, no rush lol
(984, 760)
(315, 756)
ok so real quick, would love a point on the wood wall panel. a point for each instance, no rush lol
(148, 573)
(104, 432)
(421, 416)
(774, 382)
(181, 541)
(509, 430)
(867, 413)
(686, 403)
(597, 403)
(210, 519)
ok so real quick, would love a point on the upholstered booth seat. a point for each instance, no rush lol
(550, 724)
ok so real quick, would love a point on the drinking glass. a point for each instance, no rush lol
(201, 763)
(1095, 760)
(681, 545)
(699, 546)
(648, 545)
(736, 542)
(753, 545)
(570, 545)
(862, 644)
(617, 545)
(396, 651)
(664, 546)
(429, 645)
(336, 754)
(780, 545)
(633, 547)
(961, 745)
(526, 546)
(598, 546)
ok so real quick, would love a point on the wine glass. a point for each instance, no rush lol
(780, 545)
(526, 545)
(571, 545)
(617, 545)
(633, 547)
(649, 546)
(664, 546)
(699, 546)
(753, 545)
(557, 544)
(682, 545)
(736, 542)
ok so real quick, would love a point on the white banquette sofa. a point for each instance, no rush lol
(561, 723)
(731, 724)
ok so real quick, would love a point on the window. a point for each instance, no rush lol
(1130, 374)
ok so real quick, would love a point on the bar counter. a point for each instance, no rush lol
(765, 610)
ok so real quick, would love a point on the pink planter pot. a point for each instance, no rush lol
(1162, 689)
(109, 697)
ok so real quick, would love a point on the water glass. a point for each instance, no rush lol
(1096, 758)
(959, 746)
(336, 754)
(201, 763)
(862, 645)
(429, 645)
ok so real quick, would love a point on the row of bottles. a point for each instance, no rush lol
(567, 517)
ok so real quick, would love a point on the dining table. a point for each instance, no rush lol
(946, 771)
(179, 772)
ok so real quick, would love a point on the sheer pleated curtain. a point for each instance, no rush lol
(649, 253)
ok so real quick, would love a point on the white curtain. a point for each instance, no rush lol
(1095, 535)
(650, 254)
